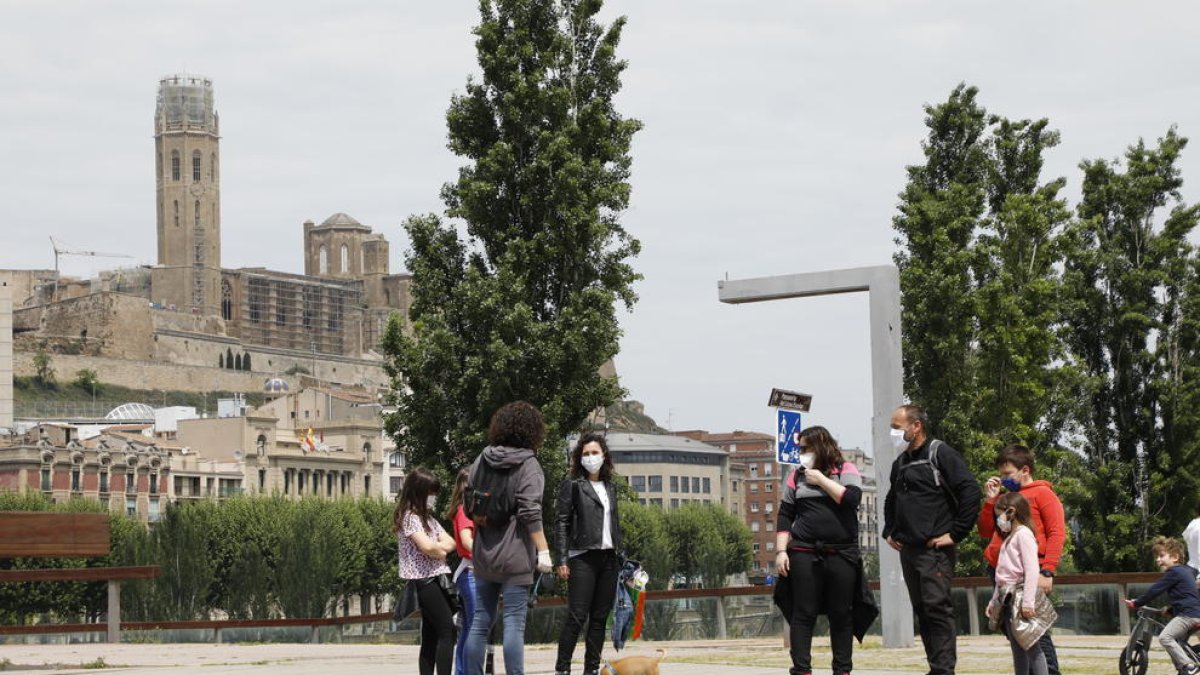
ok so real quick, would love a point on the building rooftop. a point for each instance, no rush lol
(622, 441)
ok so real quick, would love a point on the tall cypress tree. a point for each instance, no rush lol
(1127, 317)
(519, 302)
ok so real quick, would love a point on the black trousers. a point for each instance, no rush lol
(928, 573)
(437, 629)
(590, 593)
(822, 583)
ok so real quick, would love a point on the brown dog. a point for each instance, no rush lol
(633, 665)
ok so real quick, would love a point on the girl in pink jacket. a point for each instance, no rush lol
(1017, 565)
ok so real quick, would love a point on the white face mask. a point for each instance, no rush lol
(1003, 523)
(898, 440)
(431, 502)
(807, 459)
(592, 463)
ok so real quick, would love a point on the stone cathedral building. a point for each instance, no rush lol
(187, 311)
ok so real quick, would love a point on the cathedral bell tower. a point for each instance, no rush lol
(187, 142)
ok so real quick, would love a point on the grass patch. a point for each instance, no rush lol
(95, 665)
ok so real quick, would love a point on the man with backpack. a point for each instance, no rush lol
(931, 505)
(504, 500)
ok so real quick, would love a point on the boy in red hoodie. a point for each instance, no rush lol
(1015, 465)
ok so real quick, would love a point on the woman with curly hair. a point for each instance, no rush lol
(507, 553)
(588, 536)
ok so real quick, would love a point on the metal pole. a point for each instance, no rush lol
(882, 284)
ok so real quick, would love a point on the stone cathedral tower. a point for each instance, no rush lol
(187, 140)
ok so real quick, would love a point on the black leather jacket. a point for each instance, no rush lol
(579, 517)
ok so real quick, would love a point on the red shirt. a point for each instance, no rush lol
(1049, 524)
(462, 522)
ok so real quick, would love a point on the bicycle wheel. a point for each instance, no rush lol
(1136, 660)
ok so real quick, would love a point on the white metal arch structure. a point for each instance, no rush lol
(882, 285)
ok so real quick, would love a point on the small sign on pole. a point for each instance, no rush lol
(787, 423)
(789, 400)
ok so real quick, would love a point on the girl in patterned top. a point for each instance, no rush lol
(423, 545)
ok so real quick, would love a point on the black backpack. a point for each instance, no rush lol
(488, 501)
(932, 461)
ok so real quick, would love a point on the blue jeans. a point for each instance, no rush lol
(516, 606)
(466, 590)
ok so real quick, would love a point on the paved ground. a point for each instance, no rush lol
(977, 656)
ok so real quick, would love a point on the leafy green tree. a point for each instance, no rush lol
(43, 366)
(515, 296)
(183, 541)
(982, 235)
(1129, 292)
(940, 211)
(87, 380)
(307, 567)
(643, 530)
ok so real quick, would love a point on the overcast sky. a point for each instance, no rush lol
(775, 142)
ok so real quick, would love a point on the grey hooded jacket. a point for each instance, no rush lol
(507, 554)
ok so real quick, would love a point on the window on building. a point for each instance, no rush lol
(131, 506)
(196, 219)
(176, 213)
(345, 259)
(322, 261)
(75, 480)
(262, 480)
(656, 501)
(154, 513)
(753, 507)
(196, 166)
(674, 483)
(396, 483)
(754, 526)
(638, 483)
(366, 451)
(754, 470)
(226, 300)
(175, 165)
(696, 484)
(656, 486)
(707, 486)
(770, 487)
(366, 486)
(768, 468)
(396, 460)
(754, 488)
(212, 167)
(287, 481)
(686, 484)
(103, 481)
(756, 547)
(735, 486)
(757, 565)
(130, 483)
(153, 483)
(769, 507)
(674, 503)
(302, 483)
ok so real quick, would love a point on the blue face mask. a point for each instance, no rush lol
(1011, 484)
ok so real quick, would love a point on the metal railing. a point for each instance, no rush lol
(1088, 604)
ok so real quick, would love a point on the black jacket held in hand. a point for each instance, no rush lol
(579, 518)
(921, 505)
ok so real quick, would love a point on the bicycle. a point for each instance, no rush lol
(1135, 658)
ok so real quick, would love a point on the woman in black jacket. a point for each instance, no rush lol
(588, 537)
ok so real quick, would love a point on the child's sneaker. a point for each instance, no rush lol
(1190, 670)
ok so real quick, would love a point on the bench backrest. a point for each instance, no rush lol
(25, 534)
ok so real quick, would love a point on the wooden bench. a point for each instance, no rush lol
(37, 534)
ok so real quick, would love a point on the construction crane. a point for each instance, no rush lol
(59, 250)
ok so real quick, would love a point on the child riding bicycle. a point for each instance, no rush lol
(1179, 583)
